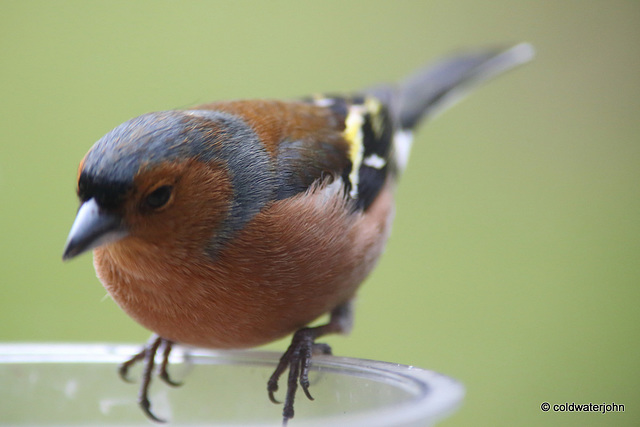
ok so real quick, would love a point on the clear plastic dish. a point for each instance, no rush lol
(77, 384)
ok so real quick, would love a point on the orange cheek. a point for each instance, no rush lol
(201, 198)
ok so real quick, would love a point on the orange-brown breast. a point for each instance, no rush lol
(296, 260)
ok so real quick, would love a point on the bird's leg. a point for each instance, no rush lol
(148, 354)
(298, 356)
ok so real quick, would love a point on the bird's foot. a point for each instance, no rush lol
(148, 355)
(298, 359)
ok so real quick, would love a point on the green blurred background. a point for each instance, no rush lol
(514, 262)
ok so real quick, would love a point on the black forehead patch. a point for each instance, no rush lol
(108, 193)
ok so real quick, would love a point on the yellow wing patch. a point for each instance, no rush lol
(354, 136)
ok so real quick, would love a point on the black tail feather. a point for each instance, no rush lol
(439, 85)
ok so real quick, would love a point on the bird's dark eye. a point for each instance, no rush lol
(159, 197)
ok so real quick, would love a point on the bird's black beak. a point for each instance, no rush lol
(93, 227)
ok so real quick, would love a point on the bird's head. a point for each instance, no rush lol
(164, 180)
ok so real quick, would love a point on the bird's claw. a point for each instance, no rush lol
(145, 404)
(123, 370)
(148, 354)
(298, 359)
(163, 373)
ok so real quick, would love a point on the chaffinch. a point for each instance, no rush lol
(233, 224)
